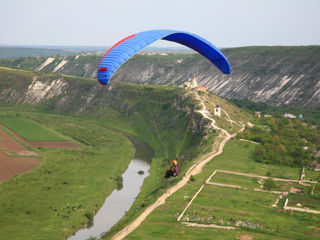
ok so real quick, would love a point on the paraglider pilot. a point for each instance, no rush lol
(174, 169)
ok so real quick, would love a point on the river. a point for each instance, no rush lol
(120, 201)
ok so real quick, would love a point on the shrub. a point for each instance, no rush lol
(192, 179)
(89, 215)
(269, 184)
(119, 181)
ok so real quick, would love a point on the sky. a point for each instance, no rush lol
(225, 23)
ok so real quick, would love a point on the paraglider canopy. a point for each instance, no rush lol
(127, 47)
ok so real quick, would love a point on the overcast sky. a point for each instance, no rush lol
(225, 23)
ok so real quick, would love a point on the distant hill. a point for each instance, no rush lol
(14, 52)
(280, 76)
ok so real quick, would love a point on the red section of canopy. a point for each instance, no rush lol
(102, 69)
(121, 41)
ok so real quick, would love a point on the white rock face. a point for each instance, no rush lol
(45, 63)
(38, 91)
(60, 65)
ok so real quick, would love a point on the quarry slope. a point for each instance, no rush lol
(275, 75)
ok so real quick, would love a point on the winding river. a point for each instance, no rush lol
(121, 200)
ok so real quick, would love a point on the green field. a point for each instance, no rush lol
(254, 207)
(28, 129)
(52, 201)
(226, 203)
(237, 157)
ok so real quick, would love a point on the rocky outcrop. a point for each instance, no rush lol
(275, 75)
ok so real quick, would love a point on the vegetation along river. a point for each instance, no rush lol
(121, 200)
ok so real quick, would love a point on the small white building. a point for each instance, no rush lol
(257, 114)
(217, 111)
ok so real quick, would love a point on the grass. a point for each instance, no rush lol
(305, 199)
(235, 180)
(238, 157)
(87, 176)
(55, 199)
(236, 114)
(225, 203)
(248, 182)
(229, 203)
(159, 115)
(36, 204)
(29, 130)
(255, 207)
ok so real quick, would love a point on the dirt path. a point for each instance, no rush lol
(264, 177)
(208, 226)
(226, 185)
(306, 210)
(193, 170)
(245, 140)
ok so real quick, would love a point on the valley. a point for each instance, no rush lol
(173, 121)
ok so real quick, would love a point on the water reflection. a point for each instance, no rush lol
(118, 202)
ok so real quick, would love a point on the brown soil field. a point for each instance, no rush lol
(9, 144)
(11, 166)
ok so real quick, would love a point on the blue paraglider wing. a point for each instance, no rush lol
(127, 47)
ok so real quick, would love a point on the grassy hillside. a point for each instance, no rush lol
(152, 111)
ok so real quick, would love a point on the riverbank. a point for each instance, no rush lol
(54, 199)
(120, 200)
